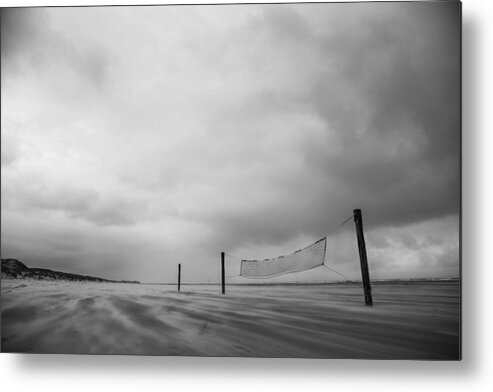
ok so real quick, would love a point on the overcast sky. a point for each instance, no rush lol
(135, 138)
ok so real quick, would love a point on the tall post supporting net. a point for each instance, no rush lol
(304, 259)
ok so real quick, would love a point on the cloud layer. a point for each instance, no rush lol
(137, 137)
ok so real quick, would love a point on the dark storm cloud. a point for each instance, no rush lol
(19, 28)
(30, 39)
(395, 111)
(386, 86)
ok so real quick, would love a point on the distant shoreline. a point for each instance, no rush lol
(349, 282)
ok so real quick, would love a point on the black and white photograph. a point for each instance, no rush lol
(232, 180)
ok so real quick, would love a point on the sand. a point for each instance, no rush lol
(415, 320)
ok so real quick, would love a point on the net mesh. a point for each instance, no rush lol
(304, 259)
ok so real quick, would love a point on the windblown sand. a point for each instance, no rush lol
(415, 320)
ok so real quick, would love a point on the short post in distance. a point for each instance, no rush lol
(223, 283)
(365, 274)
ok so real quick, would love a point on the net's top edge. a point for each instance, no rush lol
(280, 257)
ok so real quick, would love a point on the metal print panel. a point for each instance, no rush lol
(148, 150)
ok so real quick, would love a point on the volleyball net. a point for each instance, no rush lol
(304, 259)
(311, 256)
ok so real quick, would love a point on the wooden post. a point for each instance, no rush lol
(358, 221)
(179, 276)
(223, 273)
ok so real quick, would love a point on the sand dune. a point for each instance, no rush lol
(408, 321)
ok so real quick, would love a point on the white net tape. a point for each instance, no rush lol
(304, 259)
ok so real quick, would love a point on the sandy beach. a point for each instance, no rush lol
(410, 320)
